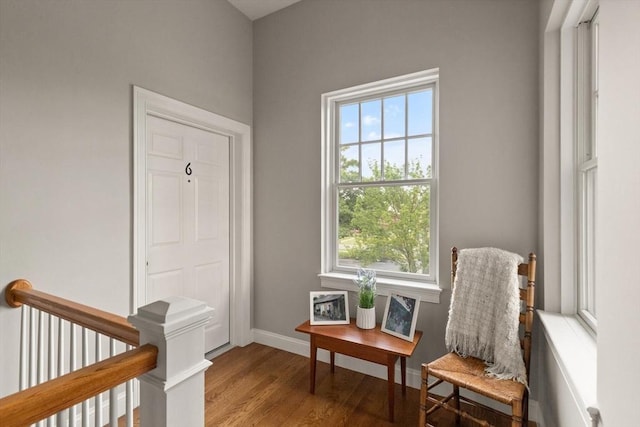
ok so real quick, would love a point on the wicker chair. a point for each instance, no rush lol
(468, 373)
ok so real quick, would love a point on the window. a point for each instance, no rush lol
(380, 182)
(586, 166)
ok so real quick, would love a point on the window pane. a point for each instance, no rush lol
(349, 164)
(394, 160)
(419, 152)
(371, 156)
(421, 113)
(394, 110)
(371, 120)
(349, 123)
(385, 228)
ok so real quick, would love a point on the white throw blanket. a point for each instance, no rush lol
(483, 316)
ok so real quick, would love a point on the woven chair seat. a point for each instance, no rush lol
(469, 373)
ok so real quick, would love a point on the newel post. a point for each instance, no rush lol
(172, 395)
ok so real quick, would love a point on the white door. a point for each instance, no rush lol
(188, 219)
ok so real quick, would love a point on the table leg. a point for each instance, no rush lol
(332, 355)
(312, 365)
(391, 371)
(403, 372)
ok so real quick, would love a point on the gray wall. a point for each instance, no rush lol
(66, 70)
(487, 52)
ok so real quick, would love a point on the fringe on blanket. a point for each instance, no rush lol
(483, 315)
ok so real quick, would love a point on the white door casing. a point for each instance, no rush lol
(149, 107)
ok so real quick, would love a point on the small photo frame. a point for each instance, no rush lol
(328, 308)
(401, 315)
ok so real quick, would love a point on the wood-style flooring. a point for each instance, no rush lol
(258, 385)
(262, 386)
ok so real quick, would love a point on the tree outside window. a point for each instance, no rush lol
(385, 176)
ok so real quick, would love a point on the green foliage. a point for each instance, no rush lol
(348, 197)
(366, 299)
(388, 223)
(366, 281)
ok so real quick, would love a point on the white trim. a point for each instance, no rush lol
(147, 103)
(585, 168)
(575, 353)
(567, 195)
(572, 14)
(560, 349)
(388, 85)
(414, 376)
(335, 279)
(428, 292)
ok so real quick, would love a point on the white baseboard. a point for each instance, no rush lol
(301, 347)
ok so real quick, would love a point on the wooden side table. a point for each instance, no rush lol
(372, 345)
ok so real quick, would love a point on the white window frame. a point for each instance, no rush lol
(572, 346)
(330, 276)
(586, 165)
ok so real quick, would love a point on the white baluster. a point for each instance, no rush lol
(40, 353)
(32, 349)
(72, 366)
(129, 388)
(60, 415)
(24, 344)
(40, 347)
(85, 362)
(129, 398)
(98, 400)
(113, 396)
(50, 358)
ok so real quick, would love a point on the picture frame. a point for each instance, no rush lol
(329, 308)
(401, 315)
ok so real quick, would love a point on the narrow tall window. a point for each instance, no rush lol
(380, 204)
(587, 167)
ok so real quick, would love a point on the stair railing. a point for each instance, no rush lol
(72, 354)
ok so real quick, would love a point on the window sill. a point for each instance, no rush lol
(576, 353)
(428, 292)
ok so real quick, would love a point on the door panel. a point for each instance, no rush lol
(170, 146)
(207, 275)
(165, 284)
(188, 219)
(165, 197)
(207, 215)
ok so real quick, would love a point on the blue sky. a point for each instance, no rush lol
(368, 122)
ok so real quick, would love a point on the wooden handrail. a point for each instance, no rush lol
(43, 400)
(21, 292)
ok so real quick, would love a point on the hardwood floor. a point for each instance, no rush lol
(259, 385)
(262, 386)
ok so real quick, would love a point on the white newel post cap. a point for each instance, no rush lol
(176, 326)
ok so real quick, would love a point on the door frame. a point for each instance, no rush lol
(146, 102)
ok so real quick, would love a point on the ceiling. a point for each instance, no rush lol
(256, 9)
